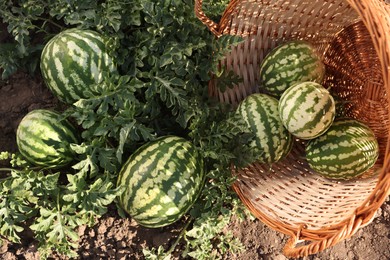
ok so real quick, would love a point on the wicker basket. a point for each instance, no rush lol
(353, 37)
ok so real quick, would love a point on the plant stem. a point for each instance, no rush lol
(178, 239)
(52, 22)
(7, 169)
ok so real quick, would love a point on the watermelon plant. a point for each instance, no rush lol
(161, 181)
(347, 150)
(289, 63)
(163, 59)
(45, 139)
(307, 109)
(74, 61)
(272, 140)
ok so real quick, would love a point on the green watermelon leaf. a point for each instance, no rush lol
(165, 57)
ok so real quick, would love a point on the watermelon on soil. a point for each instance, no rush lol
(272, 140)
(73, 61)
(289, 63)
(348, 149)
(161, 180)
(44, 139)
(307, 110)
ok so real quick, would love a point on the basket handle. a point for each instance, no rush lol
(291, 249)
(213, 27)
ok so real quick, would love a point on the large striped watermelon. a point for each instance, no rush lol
(307, 109)
(161, 180)
(289, 63)
(260, 112)
(346, 150)
(73, 61)
(44, 139)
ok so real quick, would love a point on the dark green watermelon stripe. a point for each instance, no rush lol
(299, 97)
(279, 70)
(31, 144)
(261, 114)
(173, 192)
(51, 82)
(29, 150)
(52, 72)
(139, 160)
(257, 115)
(50, 120)
(278, 58)
(131, 171)
(289, 94)
(153, 211)
(326, 147)
(317, 118)
(311, 99)
(35, 143)
(254, 112)
(309, 66)
(40, 156)
(293, 50)
(344, 158)
(277, 53)
(322, 157)
(342, 140)
(190, 168)
(74, 71)
(136, 160)
(100, 58)
(161, 160)
(70, 86)
(270, 147)
(337, 170)
(331, 162)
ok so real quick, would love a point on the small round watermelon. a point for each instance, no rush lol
(289, 63)
(347, 150)
(44, 139)
(307, 110)
(272, 140)
(161, 180)
(73, 61)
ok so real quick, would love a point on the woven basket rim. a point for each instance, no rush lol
(375, 15)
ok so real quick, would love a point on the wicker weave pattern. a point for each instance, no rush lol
(267, 25)
(353, 37)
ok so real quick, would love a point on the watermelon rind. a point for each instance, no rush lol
(45, 139)
(161, 180)
(307, 110)
(289, 63)
(347, 150)
(73, 61)
(272, 141)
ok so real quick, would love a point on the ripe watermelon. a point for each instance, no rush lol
(307, 110)
(346, 150)
(73, 61)
(161, 180)
(44, 139)
(260, 112)
(289, 63)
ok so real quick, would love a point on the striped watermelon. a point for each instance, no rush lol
(260, 112)
(289, 63)
(44, 139)
(161, 180)
(73, 61)
(346, 150)
(307, 109)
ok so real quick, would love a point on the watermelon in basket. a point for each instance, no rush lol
(315, 211)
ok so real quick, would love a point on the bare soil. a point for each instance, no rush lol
(116, 238)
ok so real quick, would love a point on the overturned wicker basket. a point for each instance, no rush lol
(353, 37)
